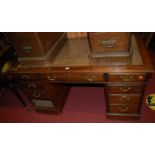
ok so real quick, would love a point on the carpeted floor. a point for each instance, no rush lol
(84, 104)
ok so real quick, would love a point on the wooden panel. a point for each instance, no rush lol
(50, 47)
(124, 99)
(48, 39)
(123, 108)
(58, 94)
(112, 60)
(34, 44)
(74, 35)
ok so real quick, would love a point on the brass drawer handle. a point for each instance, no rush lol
(53, 78)
(108, 43)
(37, 95)
(129, 78)
(31, 85)
(27, 49)
(90, 78)
(125, 89)
(123, 108)
(25, 76)
(124, 97)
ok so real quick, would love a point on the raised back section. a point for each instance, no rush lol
(74, 35)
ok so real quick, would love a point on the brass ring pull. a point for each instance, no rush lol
(108, 43)
(37, 95)
(123, 108)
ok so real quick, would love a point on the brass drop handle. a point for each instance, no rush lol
(90, 78)
(27, 49)
(37, 95)
(124, 97)
(129, 78)
(25, 76)
(108, 43)
(31, 85)
(53, 78)
(125, 89)
(123, 108)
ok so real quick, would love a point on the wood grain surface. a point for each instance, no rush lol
(74, 35)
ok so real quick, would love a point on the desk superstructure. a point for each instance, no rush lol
(47, 86)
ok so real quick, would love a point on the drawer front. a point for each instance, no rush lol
(31, 85)
(37, 94)
(27, 77)
(27, 47)
(75, 78)
(110, 42)
(123, 108)
(124, 99)
(127, 77)
(124, 89)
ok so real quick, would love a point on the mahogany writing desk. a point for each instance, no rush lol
(47, 86)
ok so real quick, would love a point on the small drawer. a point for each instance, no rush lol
(37, 94)
(126, 78)
(124, 99)
(123, 89)
(27, 47)
(27, 77)
(123, 108)
(75, 78)
(112, 42)
(31, 85)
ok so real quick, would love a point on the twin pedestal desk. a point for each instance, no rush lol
(48, 86)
